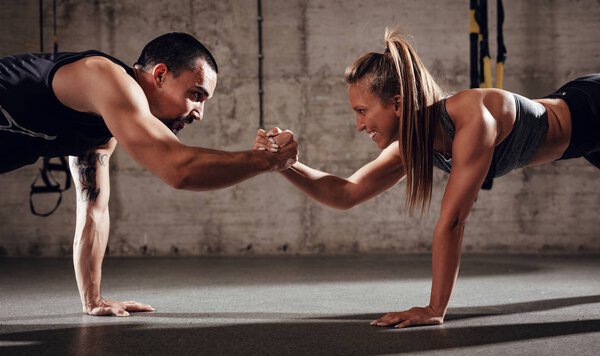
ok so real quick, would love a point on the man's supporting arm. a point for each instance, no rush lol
(90, 173)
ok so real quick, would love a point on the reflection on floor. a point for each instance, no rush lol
(304, 305)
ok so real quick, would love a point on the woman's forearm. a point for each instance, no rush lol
(445, 264)
(322, 187)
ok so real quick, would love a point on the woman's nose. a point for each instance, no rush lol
(360, 123)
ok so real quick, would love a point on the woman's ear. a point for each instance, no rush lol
(397, 101)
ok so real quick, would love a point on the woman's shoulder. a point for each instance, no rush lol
(469, 102)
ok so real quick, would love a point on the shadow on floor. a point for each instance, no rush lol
(288, 333)
(492, 310)
(307, 338)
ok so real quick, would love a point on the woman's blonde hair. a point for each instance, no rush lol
(399, 71)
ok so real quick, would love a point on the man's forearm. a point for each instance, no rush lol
(211, 169)
(89, 247)
(445, 265)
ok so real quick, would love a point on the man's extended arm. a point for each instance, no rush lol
(99, 86)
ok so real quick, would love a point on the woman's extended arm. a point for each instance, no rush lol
(336, 192)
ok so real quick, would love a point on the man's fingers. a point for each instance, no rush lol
(274, 132)
(284, 138)
(137, 307)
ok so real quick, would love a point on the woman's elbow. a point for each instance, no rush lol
(343, 202)
(454, 225)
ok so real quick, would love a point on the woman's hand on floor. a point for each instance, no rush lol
(412, 317)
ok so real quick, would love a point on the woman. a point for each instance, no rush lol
(474, 135)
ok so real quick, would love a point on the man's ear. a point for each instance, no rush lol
(397, 102)
(159, 73)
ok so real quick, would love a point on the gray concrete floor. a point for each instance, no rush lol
(520, 305)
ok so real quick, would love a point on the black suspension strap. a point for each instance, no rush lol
(41, 23)
(50, 184)
(480, 58)
(261, 91)
(501, 55)
(474, 43)
(54, 35)
(485, 74)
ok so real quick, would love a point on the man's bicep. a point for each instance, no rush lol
(90, 173)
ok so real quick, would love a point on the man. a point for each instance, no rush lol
(82, 104)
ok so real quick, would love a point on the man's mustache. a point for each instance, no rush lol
(188, 119)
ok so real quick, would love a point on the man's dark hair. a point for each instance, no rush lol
(178, 51)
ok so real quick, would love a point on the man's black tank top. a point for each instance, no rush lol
(33, 123)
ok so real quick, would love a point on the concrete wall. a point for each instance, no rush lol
(307, 45)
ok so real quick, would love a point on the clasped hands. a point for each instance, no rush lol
(281, 144)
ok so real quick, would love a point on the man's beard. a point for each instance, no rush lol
(176, 125)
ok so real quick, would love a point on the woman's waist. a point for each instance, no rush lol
(558, 135)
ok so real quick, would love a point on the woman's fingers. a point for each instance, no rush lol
(411, 317)
(265, 143)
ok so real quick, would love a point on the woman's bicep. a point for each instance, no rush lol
(472, 154)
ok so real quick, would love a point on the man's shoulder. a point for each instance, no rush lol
(90, 62)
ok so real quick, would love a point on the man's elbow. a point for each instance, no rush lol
(177, 178)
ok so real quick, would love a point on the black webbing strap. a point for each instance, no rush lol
(501, 55)
(474, 44)
(479, 50)
(50, 183)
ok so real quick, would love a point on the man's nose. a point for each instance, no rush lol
(199, 108)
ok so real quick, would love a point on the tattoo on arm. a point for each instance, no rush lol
(86, 164)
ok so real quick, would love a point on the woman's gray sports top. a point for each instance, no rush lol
(517, 149)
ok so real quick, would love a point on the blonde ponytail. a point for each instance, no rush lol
(401, 72)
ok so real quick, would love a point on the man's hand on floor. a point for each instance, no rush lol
(110, 307)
